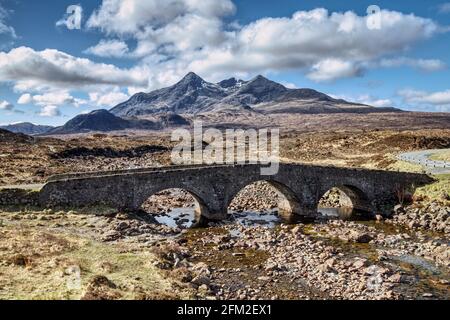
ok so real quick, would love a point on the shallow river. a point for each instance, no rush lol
(424, 274)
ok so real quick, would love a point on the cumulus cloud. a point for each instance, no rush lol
(332, 69)
(50, 111)
(108, 99)
(177, 36)
(422, 97)
(56, 98)
(41, 70)
(136, 16)
(25, 99)
(9, 107)
(318, 39)
(109, 49)
(5, 105)
(326, 46)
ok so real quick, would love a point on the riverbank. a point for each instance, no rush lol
(133, 257)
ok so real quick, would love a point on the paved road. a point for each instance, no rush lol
(423, 158)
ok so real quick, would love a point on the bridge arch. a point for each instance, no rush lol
(286, 200)
(345, 196)
(200, 206)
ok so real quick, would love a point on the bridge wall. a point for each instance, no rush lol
(215, 187)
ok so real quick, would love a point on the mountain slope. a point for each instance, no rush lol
(27, 128)
(105, 121)
(101, 120)
(188, 96)
(11, 137)
(193, 95)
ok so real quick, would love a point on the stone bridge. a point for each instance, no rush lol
(214, 187)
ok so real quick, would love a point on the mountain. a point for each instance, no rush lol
(11, 137)
(101, 120)
(188, 96)
(105, 121)
(193, 95)
(27, 128)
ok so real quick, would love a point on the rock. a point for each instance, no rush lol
(111, 235)
(271, 267)
(201, 280)
(397, 278)
(296, 230)
(364, 238)
(201, 269)
(360, 263)
(264, 278)
(203, 288)
(101, 288)
(238, 254)
(325, 268)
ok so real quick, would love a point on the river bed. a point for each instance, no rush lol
(419, 277)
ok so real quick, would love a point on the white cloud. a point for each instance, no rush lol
(56, 98)
(332, 69)
(367, 99)
(109, 48)
(177, 36)
(325, 46)
(289, 85)
(108, 99)
(135, 16)
(53, 69)
(423, 97)
(25, 99)
(5, 105)
(4, 27)
(375, 102)
(49, 111)
(428, 65)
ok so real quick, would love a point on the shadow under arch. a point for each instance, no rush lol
(178, 201)
(288, 205)
(349, 201)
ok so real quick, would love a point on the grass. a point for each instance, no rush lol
(404, 166)
(441, 156)
(436, 190)
(50, 257)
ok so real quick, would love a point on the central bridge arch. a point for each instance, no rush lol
(287, 201)
(351, 197)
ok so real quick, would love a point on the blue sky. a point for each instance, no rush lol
(50, 72)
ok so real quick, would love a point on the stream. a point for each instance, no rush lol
(422, 277)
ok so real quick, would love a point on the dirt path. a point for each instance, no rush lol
(23, 187)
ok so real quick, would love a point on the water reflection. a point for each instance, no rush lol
(185, 218)
(250, 219)
(344, 213)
